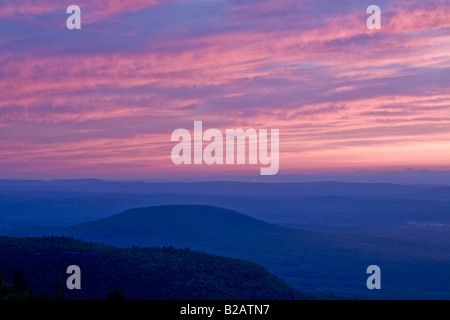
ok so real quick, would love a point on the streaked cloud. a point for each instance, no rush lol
(110, 94)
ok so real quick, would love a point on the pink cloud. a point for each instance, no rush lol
(95, 9)
(340, 94)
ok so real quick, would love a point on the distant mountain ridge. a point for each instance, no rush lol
(320, 206)
(408, 176)
(223, 188)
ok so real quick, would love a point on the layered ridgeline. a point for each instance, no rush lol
(134, 273)
(310, 261)
(393, 211)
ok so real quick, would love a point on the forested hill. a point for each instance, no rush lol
(137, 273)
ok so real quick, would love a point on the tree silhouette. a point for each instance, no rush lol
(19, 281)
(116, 295)
(60, 293)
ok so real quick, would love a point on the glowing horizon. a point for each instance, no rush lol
(102, 101)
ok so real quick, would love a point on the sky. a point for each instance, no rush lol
(103, 101)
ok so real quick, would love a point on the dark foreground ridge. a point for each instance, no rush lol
(132, 273)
